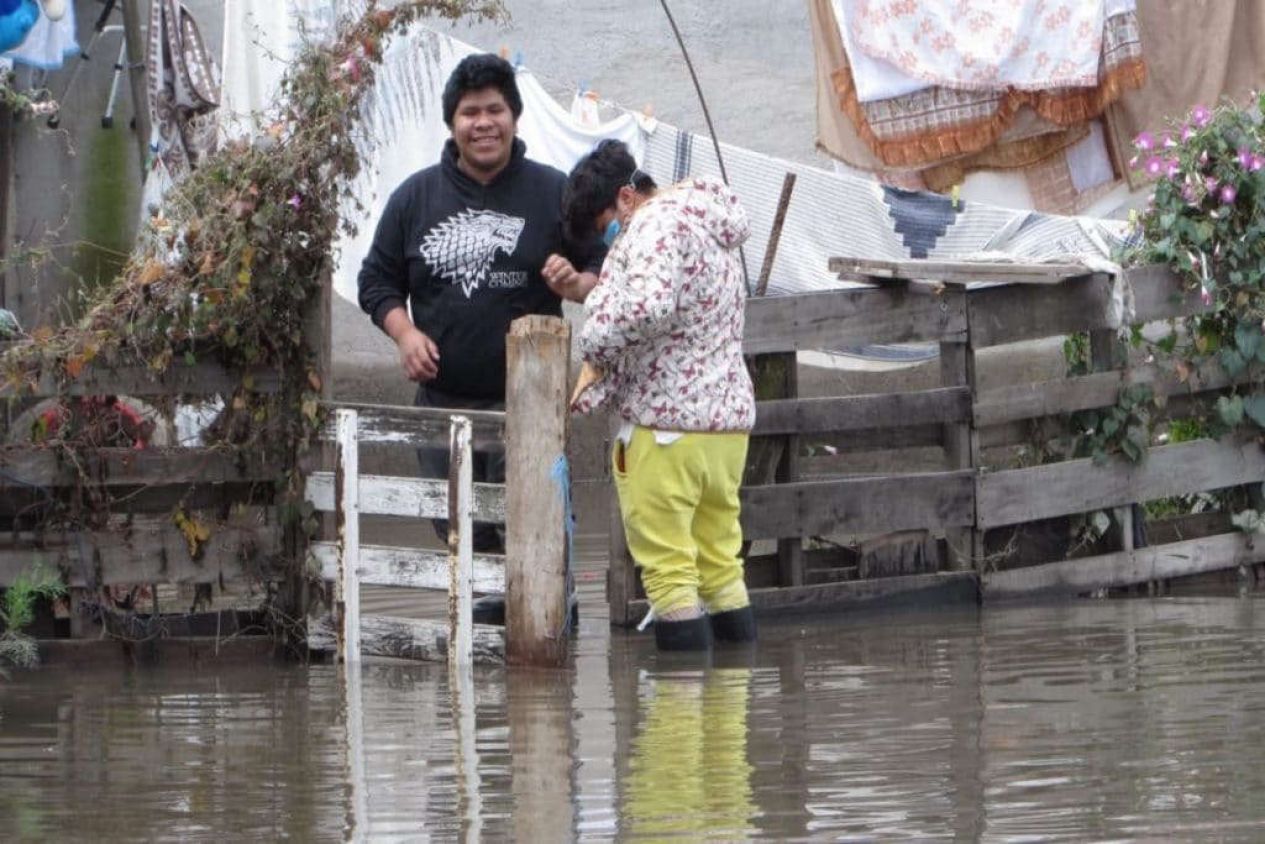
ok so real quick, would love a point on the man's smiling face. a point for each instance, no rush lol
(483, 127)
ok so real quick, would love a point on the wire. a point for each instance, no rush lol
(707, 116)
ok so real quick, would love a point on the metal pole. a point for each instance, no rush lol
(135, 41)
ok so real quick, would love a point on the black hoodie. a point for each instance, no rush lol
(467, 256)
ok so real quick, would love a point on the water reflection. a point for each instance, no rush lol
(689, 775)
(1125, 720)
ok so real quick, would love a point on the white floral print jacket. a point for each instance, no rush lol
(664, 322)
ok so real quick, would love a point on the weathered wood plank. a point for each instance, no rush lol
(863, 412)
(128, 467)
(537, 491)
(928, 590)
(149, 549)
(409, 638)
(347, 513)
(838, 318)
(959, 272)
(858, 505)
(461, 551)
(415, 426)
(202, 379)
(1125, 568)
(878, 439)
(1100, 389)
(1076, 486)
(382, 495)
(385, 565)
(1008, 314)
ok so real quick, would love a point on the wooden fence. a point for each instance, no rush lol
(946, 516)
(533, 504)
(169, 514)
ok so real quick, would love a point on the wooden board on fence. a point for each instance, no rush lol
(927, 590)
(409, 638)
(151, 549)
(137, 467)
(959, 272)
(382, 565)
(202, 379)
(868, 505)
(1101, 389)
(414, 426)
(1009, 314)
(1125, 568)
(839, 318)
(381, 495)
(1078, 486)
(863, 412)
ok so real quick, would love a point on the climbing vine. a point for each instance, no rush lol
(1206, 221)
(226, 270)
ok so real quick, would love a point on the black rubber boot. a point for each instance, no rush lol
(692, 634)
(734, 625)
(490, 609)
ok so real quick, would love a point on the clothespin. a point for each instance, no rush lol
(518, 59)
(647, 111)
(504, 52)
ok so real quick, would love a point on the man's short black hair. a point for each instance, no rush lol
(594, 184)
(474, 73)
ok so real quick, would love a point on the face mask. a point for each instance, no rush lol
(612, 231)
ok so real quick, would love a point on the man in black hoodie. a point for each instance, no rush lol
(471, 244)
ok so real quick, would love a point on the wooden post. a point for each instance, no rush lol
(460, 546)
(621, 573)
(790, 550)
(136, 75)
(1107, 352)
(354, 713)
(961, 442)
(537, 502)
(347, 491)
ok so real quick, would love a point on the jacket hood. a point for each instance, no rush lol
(715, 209)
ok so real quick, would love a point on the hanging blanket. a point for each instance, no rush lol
(974, 45)
(938, 123)
(184, 85)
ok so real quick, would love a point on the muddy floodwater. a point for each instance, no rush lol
(1137, 719)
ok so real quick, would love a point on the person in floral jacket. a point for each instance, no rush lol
(662, 346)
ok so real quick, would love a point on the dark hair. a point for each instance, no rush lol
(474, 73)
(594, 184)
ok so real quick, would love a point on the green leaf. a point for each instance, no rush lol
(1135, 443)
(1110, 425)
(1254, 407)
(1230, 410)
(1232, 362)
(1247, 337)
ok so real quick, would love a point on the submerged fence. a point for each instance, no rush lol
(845, 537)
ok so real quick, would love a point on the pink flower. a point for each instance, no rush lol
(1211, 184)
(1187, 132)
(1133, 163)
(1205, 296)
(295, 201)
(1245, 157)
(1200, 116)
(1144, 141)
(1228, 194)
(1169, 143)
(1203, 157)
(1172, 168)
(1190, 194)
(1257, 162)
(1154, 166)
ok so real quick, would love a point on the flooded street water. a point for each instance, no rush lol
(1136, 719)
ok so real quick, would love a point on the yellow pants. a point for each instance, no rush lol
(679, 502)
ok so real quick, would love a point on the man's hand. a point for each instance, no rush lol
(418, 353)
(565, 280)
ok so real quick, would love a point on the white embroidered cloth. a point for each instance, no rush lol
(983, 44)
